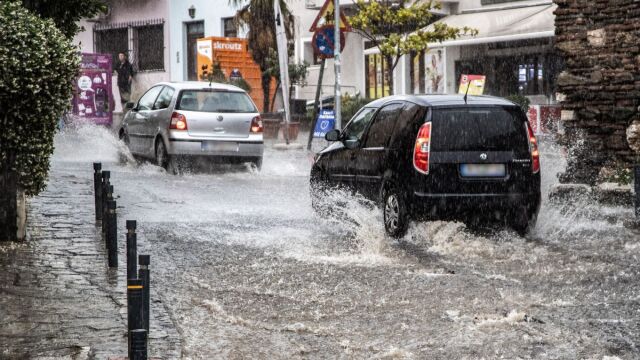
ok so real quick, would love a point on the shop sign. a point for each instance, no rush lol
(471, 84)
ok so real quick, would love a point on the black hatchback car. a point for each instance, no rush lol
(436, 157)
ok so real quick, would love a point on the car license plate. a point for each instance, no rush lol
(483, 170)
(222, 146)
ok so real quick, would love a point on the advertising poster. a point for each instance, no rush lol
(326, 122)
(434, 66)
(475, 84)
(92, 95)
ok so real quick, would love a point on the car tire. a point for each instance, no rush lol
(162, 158)
(395, 212)
(317, 189)
(124, 137)
(258, 163)
(521, 221)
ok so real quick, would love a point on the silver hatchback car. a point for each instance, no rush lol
(172, 121)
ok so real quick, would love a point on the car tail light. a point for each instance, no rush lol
(178, 121)
(533, 148)
(422, 149)
(256, 125)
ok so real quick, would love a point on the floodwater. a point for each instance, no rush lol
(246, 270)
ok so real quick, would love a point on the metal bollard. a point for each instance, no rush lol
(112, 234)
(138, 344)
(636, 180)
(134, 304)
(144, 275)
(108, 196)
(104, 186)
(97, 189)
(132, 251)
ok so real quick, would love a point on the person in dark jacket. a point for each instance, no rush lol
(125, 76)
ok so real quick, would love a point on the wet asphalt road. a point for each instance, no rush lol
(246, 270)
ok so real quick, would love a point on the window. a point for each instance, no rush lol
(142, 40)
(531, 77)
(229, 27)
(147, 100)
(216, 101)
(476, 129)
(149, 44)
(376, 76)
(358, 124)
(417, 73)
(164, 99)
(112, 41)
(309, 54)
(382, 127)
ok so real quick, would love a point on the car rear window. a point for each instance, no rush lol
(206, 100)
(477, 129)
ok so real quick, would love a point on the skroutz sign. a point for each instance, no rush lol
(323, 29)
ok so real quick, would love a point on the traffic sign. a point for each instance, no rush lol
(325, 17)
(323, 41)
(325, 123)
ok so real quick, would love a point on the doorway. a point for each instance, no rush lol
(195, 31)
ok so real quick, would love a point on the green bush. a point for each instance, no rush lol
(38, 65)
(351, 105)
(520, 100)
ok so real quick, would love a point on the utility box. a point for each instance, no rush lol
(234, 58)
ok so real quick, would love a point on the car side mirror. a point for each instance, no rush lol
(129, 106)
(333, 135)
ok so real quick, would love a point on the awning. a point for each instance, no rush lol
(521, 23)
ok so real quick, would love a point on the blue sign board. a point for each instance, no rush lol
(326, 122)
(323, 41)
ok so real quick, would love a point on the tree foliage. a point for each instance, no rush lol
(258, 17)
(66, 13)
(399, 28)
(38, 64)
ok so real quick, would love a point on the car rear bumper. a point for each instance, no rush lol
(459, 206)
(225, 148)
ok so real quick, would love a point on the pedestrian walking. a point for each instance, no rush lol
(125, 76)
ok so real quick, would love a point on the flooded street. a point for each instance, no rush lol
(245, 269)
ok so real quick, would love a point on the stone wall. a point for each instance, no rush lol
(600, 87)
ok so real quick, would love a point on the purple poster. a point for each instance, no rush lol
(92, 98)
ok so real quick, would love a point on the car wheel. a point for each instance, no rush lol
(318, 188)
(162, 158)
(258, 163)
(521, 221)
(124, 137)
(396, 217)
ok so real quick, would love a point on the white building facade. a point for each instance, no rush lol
(513, 48)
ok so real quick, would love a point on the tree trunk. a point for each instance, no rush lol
(266, 85)
(275, 94)
(390, 67)
(8, 203)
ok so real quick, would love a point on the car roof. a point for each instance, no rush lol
(197, 85)
(443, 100)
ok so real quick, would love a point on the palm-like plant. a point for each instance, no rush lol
(258, 17)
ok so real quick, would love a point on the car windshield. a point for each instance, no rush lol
(216, 101)
(470, 129)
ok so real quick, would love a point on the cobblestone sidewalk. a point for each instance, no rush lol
(58, 298)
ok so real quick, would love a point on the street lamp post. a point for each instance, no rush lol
(336, 58)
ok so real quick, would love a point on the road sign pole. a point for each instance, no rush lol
(316, 104)
(336, 58)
